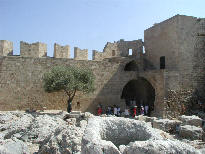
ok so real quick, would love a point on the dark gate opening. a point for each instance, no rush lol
(140, 91)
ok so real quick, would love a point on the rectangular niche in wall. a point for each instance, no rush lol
(130, 52)
(162, 62)
(113, 52)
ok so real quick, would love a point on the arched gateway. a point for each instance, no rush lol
(140, 91)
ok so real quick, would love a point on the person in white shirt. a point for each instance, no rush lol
(118, 111)
(115, 110)
(126, 112)
(146, 109)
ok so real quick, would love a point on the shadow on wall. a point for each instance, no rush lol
(140, 91)
(121, 87)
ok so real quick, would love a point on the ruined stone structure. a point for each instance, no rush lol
(173, 60)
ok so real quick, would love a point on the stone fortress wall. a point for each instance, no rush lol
(179, 39)
(61, 51)
(21, 77)
(119, 48)
(6, 48)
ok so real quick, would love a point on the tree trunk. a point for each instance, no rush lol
(69, 108)
(70, 99)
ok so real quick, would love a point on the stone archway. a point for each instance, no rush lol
(141, 91)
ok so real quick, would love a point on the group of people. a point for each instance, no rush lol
(111, 110)
(129, 111)
(142, 110)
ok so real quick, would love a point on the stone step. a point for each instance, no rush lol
(75, 112)
(74, 115)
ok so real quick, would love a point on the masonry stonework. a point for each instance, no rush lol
(33, 50)
(80, 54)
(119, 48)
(180, 40)
(61, 51)
(6, 48)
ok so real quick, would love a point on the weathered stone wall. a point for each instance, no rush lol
(162, 40)
(181, 39)
(21, 84)
(119, 48)
(97, 55)
(80, 54)
(33, 50)
(6, 48)
(192, 52)
(61, 51)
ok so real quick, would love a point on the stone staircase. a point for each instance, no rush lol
(75, 114)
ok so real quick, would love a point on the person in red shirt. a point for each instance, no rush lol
(134, 111)
(99, 111)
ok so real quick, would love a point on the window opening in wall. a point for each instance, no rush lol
(113, 52)
(162, 62)
(130, 52)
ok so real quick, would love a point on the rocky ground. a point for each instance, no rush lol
(58, 132)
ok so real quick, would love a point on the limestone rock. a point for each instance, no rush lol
(71, 121)
(191, 132)
(166, 125)
(44, 126)
(159, 147)
(150, 119)
(191, 120)
(203, 137)
(141, 118)
(104, 135)
(14, 122)
(65, 140)
(88, 115)
(13, 146)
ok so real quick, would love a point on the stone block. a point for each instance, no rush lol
(191, 132)
(150, 119)
(166, 125)
(191, 120)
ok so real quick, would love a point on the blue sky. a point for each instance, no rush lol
(87, 24)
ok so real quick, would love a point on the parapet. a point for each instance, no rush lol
(33, 50)
(119, 49)
(97, 55)
(80, 54)
(61, 51)
(6, 48)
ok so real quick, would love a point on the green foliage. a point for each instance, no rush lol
(70, 79)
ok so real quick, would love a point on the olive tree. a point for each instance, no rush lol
(70, 80)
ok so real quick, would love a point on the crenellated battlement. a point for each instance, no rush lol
(61, 51)
(37, 50)
(6, 48)
(80, 54)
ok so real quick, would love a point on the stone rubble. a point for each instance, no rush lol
(191, 120)
(58, 132)
(13, 146)
(191, 132)
(166, 125)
